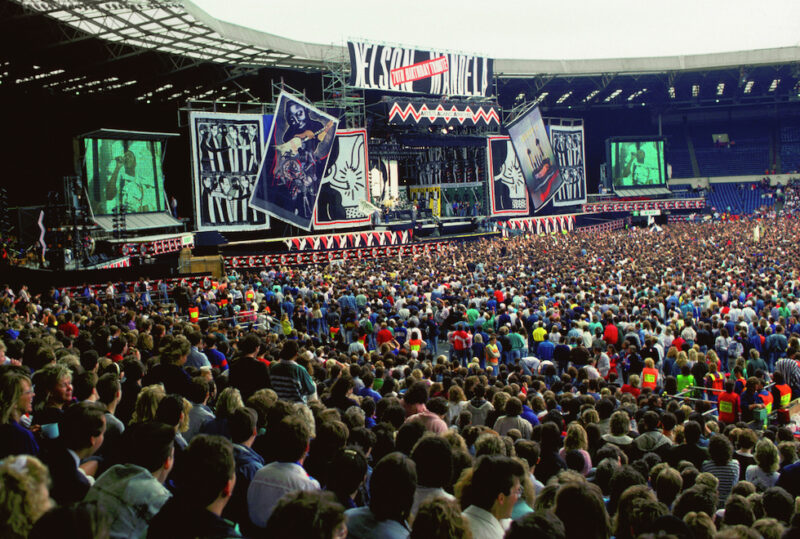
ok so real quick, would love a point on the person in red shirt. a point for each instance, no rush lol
(714, 380)
(499, 296)
(69, 329)
(611, 334)
(632, 386)
(462, 344)
(384, 335)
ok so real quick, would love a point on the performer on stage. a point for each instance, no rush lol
(124, 189)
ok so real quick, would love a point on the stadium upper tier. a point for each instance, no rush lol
(175, 51)
(184, 28)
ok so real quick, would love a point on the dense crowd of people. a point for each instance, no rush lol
(635, 383)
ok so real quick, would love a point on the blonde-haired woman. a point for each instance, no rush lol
(147, 403)
(764, 474)
(577, 440)
(24, 495)
(16, 400)
(680, 360)
(228, 402)
(54, 385)
(456, 403)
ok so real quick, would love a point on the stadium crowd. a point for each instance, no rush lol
(634, 383)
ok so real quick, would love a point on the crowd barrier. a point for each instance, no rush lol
(155, 247)
(331, 255)
(608, 226)
(644, 205)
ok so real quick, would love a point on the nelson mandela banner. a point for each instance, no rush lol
(567, 143)
(294, 161)
(345, 183)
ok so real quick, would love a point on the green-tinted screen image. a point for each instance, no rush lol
(637, 163)
(124, 173)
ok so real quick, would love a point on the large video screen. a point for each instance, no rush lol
(637, 163)
(124, 173)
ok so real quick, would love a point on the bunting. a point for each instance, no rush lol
(640, 205)
(538, 225)
(323, 257)
(354, 240)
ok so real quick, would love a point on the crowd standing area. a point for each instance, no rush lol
(632, 384)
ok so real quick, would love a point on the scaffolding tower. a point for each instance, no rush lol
(339, 98)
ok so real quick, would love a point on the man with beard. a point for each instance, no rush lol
(300, 165)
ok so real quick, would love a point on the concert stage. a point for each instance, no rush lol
(445, 226)
(338, 248)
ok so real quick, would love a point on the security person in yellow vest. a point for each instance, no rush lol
(649, 374)
(781, 392)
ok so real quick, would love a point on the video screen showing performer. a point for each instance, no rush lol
(637, 163)
(124, 174)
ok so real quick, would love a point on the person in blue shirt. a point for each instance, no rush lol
(529, 415)
(368, 378)
(545, 349)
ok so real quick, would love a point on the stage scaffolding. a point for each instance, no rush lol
(339, 98)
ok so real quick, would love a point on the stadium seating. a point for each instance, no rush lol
(748, 153)
(790, 147)
(677, 152)
(739, 198)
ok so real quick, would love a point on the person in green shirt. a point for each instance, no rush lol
(594, 324)
(685, 379)
(756, 363)
(517, 344)
(472, 315)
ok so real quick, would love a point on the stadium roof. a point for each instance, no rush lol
(176, 51)
(571, 37)
(164, 26)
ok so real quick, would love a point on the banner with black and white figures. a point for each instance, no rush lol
(226, 153)
(345, 182)
(401, 69)
(568, 146)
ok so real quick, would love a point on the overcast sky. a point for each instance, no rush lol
(555, 29)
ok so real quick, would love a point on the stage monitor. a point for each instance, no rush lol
(124, 170)
(637, 162)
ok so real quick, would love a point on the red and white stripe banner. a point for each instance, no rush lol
(343, 241)
(323, 257)
(608, 226)
(538, 225)
(156, 247)
(639, 205)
